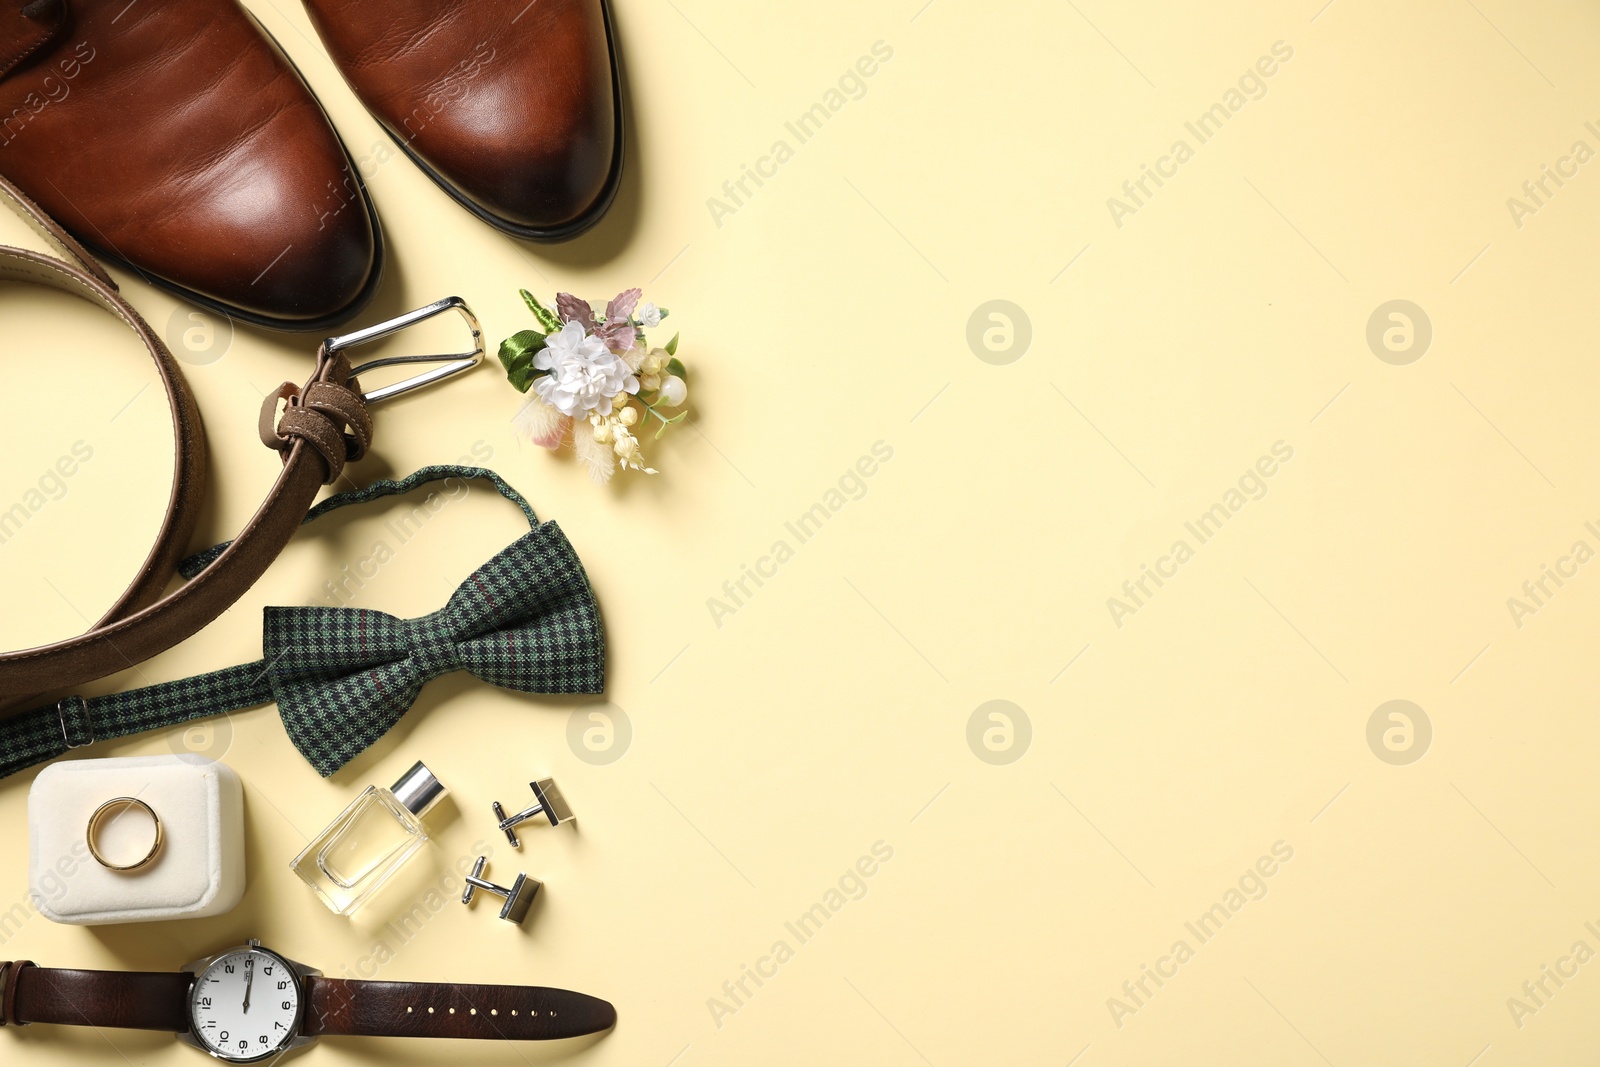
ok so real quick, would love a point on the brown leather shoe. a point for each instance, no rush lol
(512, 106)
(175, 138)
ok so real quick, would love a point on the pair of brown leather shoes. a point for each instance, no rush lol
(176, 138)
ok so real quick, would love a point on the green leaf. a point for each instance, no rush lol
(521, 347)
(668, 422)
(664, 313)
(546, 317)
(675, 366)
(672, 346)
(516, 355)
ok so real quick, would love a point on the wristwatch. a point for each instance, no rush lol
(250, 1003)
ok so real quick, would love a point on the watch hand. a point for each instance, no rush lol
(249, 979)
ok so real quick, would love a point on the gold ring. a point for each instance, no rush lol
(124, 803)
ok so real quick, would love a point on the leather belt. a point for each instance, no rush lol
(324, 424)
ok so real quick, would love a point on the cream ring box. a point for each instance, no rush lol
(198, 872)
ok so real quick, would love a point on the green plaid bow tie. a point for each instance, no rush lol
(342, 677)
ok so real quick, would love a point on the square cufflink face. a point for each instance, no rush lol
(520, 899)
(555, 806)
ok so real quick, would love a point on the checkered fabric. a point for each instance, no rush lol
(342, 677)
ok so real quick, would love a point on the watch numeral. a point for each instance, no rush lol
(287, 1005)
(205, 1002)
(243, 1045)
(279, 1026)
(283, 985)
(223, 1036)
(227, 968)
(263, 1039)
(267, 970)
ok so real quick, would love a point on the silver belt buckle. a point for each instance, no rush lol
(454, 363)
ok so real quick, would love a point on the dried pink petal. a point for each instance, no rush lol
(570, 309)
(622, 305)
(619, 337)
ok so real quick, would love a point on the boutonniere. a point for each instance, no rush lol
(594, 379)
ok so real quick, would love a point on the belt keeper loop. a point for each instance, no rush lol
(9, 973)
(268, 423)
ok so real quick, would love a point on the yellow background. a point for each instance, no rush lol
(830, 711)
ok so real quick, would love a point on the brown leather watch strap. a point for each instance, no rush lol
(423, 1009)
(124, 1000)
(145, 1000)
(324, 424)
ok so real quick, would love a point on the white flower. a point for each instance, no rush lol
(584, 373)
(649, 315)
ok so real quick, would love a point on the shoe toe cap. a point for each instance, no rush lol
(526, 134)
(548, 176)
(285, 239)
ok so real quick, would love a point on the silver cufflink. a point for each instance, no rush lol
(519, 898)
(547, 802)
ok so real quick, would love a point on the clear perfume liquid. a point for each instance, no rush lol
(360, 850)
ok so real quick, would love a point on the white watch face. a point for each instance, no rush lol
(246, 1005)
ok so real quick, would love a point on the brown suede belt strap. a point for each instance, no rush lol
(324, 425)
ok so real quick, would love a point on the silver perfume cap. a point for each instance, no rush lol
(419, 790)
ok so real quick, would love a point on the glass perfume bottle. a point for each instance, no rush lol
(351, 860)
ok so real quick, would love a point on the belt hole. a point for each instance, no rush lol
(452, 1011)
(430, 1011)
(494, 1011)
